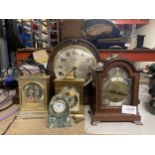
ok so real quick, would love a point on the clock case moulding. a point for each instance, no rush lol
(100, 113)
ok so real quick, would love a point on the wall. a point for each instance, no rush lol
(149, 40)
(3, 48)
(149, 31)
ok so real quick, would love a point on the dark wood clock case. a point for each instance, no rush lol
(100, 113)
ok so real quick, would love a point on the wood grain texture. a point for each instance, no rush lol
(40, 127)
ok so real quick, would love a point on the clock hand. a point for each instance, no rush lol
(74, 71)
(118, 92)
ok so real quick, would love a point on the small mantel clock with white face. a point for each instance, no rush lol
(116, 84)
(59, 112)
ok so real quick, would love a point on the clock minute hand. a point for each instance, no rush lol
(117, 92)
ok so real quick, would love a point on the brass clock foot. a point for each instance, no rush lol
(78, 119)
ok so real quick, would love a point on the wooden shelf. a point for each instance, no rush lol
(130, 21)
(132, 55)
(137, 55)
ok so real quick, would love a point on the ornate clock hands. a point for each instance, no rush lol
(117, 92)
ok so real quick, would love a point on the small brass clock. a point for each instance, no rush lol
(72, 89)
(34, 93)
(116, 85)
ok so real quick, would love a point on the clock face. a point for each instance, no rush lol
(116, 87)
(33, 92)
(73, 97)
(59, 106)
(77, 59)
(59, 112)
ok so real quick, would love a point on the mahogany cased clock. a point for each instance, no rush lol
(116, 84)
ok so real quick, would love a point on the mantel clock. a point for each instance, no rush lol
(116, 84)
(59, 112)
(72, 88)
(34, 94)
(74, 55)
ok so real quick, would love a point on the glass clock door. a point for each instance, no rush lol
(116, 88)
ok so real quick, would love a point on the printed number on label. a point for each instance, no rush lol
(128, 109)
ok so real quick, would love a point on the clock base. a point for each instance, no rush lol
(114, 117)
(31, 115)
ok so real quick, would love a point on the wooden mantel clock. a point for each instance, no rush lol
(116, 84)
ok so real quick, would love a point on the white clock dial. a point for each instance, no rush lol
(59, 106)
(72, 96)
(77, 59)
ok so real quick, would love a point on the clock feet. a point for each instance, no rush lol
(94, 123)
(77, 118)
(138, 122)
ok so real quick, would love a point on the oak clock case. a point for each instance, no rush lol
(34, 93)
(59, 112)
(74, 55)
(117, 84)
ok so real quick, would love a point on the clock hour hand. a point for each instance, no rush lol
(117, 92)
(74, 71)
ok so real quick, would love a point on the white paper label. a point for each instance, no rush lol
(41, 56)
(128, 109)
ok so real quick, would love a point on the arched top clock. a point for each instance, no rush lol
(120, 62)
(117, 84)
(74, 55)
